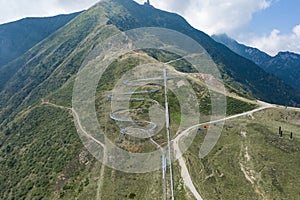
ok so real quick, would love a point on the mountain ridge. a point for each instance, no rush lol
(42, 156)
(18, 37)
(237, 67)
(123, 15)
(285, 65)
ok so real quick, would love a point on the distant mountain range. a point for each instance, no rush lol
(285, 65)
(18, 37)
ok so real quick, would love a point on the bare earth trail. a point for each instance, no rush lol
(101, 178)
(184, 171)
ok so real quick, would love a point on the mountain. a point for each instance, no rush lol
(42, 156)
(254, 54)
(252, 78)
(285, 65)
(64, 51)
(18, 37)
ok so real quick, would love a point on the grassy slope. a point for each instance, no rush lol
(26, 156)
(18, 37)
(115, 180)
(236, 70)
(274, 162)
(47, 66)
(276, 158)
(41, 144)
(68, 180)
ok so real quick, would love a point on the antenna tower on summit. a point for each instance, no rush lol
(147, 3)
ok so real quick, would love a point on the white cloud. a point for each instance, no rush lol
(217, 16)
(221, 16)
(275, 41)
(210, 16)
(11, 10)
(296, 30)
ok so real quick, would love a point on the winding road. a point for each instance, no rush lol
(184, 171)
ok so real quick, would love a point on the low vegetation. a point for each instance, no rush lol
(250, 158)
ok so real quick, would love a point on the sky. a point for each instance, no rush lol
(270, 25)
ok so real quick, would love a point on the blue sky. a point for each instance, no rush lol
(270, 25)
(283, 15)
(273, 29)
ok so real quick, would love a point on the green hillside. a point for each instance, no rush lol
(57, 59)
(46, 160)
(234, 68)
(42, 156)
(285, 65)
(19, 36)
(250, 161)
(50, 64)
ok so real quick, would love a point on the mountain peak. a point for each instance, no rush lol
(223, 36)
(147, 3)
(284, 65)
(287, 55)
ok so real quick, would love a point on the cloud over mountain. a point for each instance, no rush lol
(216, 16)
(17, 9)
(276, 41)
(212, 17)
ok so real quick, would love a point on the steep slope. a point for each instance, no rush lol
(250, 161)
(285, 65)
(18, 37)
(254, 54)
(51, 63)
(233, 67)
(41, 154)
